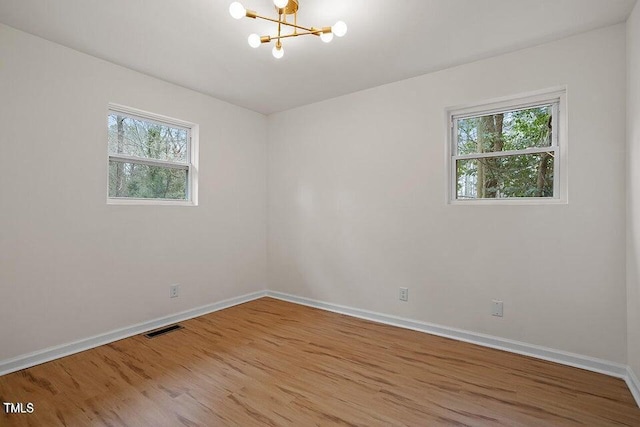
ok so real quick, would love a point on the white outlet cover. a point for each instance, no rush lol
(497, 308)
(174, 291)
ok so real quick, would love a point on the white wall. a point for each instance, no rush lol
(357, 205)
(71, 266)
(633, 189)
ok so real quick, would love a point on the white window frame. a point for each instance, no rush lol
(557, 97)
(191, 166)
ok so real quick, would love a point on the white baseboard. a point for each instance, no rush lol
(539, 352)
(634, 384)
(51, 353)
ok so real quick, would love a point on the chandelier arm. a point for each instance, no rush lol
(288, 24)
(279, 26)
(286, 36)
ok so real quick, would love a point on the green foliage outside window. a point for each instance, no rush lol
(142, 139)
(505, 176)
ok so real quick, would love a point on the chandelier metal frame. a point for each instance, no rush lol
(285, 8)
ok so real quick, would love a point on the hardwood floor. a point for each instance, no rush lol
(273, 363)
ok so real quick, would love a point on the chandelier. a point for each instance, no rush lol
(285, 8)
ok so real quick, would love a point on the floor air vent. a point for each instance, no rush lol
(162, 331)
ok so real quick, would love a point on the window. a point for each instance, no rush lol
(151, 159)
(509, 150)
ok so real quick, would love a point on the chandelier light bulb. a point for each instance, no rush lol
(277, 53)
(254, 40)
(280, 3)
(326, 37)
(339, 29)
(237, 10)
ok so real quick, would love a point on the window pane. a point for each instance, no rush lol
(146, 182)
(137, 137)
(513, 130)
(527, 175)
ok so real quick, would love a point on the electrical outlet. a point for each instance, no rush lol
(404, 294)
(497, 308)
(173, 291)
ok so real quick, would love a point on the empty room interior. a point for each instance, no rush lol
(306, 212)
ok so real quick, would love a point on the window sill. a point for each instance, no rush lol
(519, 201)
(150, 202)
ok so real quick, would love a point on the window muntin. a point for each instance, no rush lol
(150, 159)
(506, 152)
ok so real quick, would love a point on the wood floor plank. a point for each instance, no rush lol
(270, 362)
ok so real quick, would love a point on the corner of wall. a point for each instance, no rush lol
(633, 196)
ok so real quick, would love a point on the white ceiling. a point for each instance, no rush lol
(198, 45)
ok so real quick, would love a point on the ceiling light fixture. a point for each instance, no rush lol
(284, 9)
